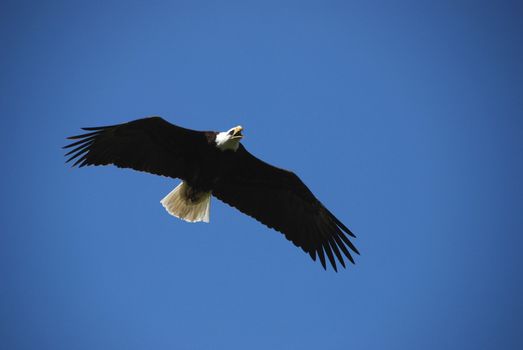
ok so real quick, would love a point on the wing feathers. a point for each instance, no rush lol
(336, 251)
(82, 136)
(322, 257)
(150, 144)
(85, 144)
(107, 126)
(340, 224)
(81, 159)
(273, 196)
(78, 151)
(343, 248)
(280, 200)
(329, 254)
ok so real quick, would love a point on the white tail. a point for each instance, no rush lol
(191, 208)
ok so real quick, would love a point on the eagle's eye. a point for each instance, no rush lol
(231, 132)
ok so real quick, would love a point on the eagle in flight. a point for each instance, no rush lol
(216, 164)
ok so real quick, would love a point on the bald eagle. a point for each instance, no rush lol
(217, 164)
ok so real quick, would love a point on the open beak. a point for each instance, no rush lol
(237, 132)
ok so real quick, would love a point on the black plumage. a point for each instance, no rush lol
(273, 196)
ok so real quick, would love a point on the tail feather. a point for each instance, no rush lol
(178, 204)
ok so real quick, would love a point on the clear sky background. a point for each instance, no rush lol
(404, 117)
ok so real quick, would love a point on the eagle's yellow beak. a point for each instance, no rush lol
(237, 132)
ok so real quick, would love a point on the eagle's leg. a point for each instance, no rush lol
(188, 204)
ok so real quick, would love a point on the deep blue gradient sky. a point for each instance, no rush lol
(404, 117)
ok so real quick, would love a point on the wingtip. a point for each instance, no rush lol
(341, 225)
(322, 258)
(331, 258)
(96, 128)
(312, 254)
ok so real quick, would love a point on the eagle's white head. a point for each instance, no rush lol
(230, 139)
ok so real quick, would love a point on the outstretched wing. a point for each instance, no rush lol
(150, 144)
(280, 200)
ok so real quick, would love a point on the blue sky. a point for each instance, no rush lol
(405, 119)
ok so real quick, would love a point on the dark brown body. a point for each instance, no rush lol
(273, 196)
